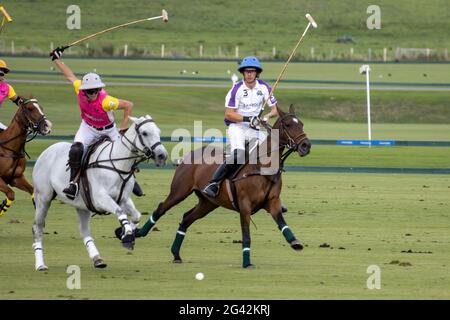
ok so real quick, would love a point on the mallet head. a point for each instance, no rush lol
(311, 20)
(165, 15)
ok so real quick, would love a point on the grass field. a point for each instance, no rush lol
(195, 22)
(366, 219)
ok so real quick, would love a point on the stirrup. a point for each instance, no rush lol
(69, 192)
(209, 192)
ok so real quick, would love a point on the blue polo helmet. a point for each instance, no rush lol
(250, 62)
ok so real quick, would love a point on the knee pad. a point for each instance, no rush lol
(76, 153)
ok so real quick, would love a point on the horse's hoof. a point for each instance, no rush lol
(249, 266)
(42, 268)
(177, 260)
(99, 263)
(118, 232)
(296, 245)
(128, 241)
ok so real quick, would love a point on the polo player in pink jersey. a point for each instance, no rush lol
(97, 118)
(6, 90)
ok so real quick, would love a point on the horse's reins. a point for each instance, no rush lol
(32, 127)
(147, 153)
(291, 144)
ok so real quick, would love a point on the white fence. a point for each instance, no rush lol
(335, 53)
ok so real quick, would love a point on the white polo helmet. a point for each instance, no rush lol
(91, 81)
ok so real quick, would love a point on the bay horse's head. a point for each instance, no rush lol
(33, 117)
(291, 133)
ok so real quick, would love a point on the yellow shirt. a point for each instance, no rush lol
(11, 93)
(108, 104)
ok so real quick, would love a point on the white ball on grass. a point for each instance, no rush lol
(199, 276)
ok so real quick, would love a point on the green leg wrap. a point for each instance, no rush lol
(147, 227)
(246, 257)
(287, 233)
(177, 243)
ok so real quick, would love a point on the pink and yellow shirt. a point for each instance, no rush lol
(97, 113)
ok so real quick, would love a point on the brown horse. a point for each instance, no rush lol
(247, 192)
(29, 119)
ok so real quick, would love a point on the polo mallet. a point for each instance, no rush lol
(164, 17)
(6, 17)
(310, 23)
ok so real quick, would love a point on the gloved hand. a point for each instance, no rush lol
(254, 122)
(19, 100)
(56, 53)
(122, 131)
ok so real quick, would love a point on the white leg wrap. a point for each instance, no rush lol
(38, 255)
(134, 225)
(91, 248)
(125, 224)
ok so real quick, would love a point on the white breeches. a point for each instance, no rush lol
(87, 134)
(238, 133)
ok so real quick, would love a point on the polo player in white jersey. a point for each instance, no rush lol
(243, 104)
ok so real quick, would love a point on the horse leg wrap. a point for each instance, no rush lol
(4, 206)
(245, 257)
(125, 224)
(287, 233)
(39, 255)
(177, 242)
(91, 248)
(150, 222)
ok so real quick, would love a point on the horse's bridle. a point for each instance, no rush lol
(148, 152)
(292, 143)
(32, 127)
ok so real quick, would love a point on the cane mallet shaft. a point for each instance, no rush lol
(5, 14)
(164, 16)
(312, 23)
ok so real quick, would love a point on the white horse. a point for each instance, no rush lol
(109, 168)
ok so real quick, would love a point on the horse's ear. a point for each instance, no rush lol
(148, 117)
(292, 109)
(133, 119)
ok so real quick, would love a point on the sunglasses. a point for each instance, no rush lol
(91, 91)
(1, 73)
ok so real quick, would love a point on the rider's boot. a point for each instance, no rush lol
(75, 156)
(223, 171)
(212, 188)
